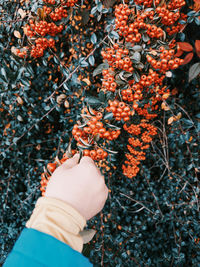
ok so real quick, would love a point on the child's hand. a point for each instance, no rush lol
(80, 185)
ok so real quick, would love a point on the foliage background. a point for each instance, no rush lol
(152, 220)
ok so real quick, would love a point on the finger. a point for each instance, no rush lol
(71, 162)
(87, 160)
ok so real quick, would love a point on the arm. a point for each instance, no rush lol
(75, 193)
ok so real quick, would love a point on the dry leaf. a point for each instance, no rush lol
(17, 34)
(60, 98)
(174, 91)
(108, 3)
(196, 5)
(14, 50)
(66, 104)
(170, 120)
(22, 13)
(178, 116)
(164, 106)
(185, 46)
(165, 96)
(25, 30)
(87, 81)
(168, 74)
(20, 100)
(87, 235)
(188, 58)
(153, 52)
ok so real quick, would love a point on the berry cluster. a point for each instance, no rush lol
(47, 10)
(43, 28)
(96, 154)
(21, 53)
(165, 60)
(108, 82)
(40, 45)
(68, 3)
(94, 127)
(118, 59)
(167, 17)
(147, 3)
(50, 2)
(135, 94)
(138, 99)
(172, 5)
(133, 31)
(136, 146)
(120, 110)
(58, 14)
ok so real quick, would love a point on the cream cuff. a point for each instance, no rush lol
(57, 218)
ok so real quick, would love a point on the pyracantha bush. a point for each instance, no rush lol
(108, 79)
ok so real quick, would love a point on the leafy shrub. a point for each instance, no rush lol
(65, 68)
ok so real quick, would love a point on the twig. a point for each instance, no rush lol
(75, 70)
(137, 202)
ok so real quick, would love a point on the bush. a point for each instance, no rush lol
(119, 83)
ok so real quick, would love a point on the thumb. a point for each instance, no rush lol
(71, 162)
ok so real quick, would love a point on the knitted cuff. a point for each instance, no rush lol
(57, 218)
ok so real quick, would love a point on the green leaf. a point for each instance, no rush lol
(93, 38)
(136, 76)
(93, 100)
(108, 116)
(3, 72)
(100, 68)
(194, 71)
(84, 64)
(136, 56)
(93, 10)
(137, 48)
(114, 34)
(145, 37)
(91, 60)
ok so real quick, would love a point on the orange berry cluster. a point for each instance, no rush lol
(94, 127)
(51, 167)
(96, 154)
(166, 60)
(50, 2)
(147, 3)
(136, 147)
(175, 4)
(136, 98)
(43, 28)
(131, 31)
(148, 87)
(58, 14)
(135, 92)
(120, 110)
(68, 3)
(118, 58)
(174, 29)
(85, 136)
(167, 17)
(108, 82)
(40, 45)
(21, 54)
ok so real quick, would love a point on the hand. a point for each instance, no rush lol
(80, 185)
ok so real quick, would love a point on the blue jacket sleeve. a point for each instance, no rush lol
(37, 249)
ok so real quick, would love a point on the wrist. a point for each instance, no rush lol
(59, 219)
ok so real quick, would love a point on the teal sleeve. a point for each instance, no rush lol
(35, 249)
